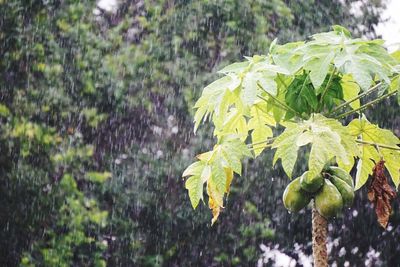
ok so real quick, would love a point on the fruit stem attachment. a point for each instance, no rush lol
(319, 239)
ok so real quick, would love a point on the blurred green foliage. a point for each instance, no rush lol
(95, 130)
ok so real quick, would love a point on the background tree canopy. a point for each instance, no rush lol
(95, 131)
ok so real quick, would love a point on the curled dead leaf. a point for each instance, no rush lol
(381, 194)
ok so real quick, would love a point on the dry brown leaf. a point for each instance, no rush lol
(381, 194)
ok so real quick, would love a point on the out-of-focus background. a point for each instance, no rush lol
(96, 129)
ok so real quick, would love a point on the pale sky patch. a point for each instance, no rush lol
(390, 30)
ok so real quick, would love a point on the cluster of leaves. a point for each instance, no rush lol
(83, 90)
(300, 86)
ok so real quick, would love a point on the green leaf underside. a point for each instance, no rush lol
(328, 139)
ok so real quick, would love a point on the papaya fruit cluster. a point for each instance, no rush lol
(331, 190)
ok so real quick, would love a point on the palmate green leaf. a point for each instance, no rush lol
(301, 96)
(287, 148)
(216, 98)
(236, 92)
(328, 139)
(361, 66)
(369, 155)
(199, 174)
(318, 66)
(289, 56)
(235, 123)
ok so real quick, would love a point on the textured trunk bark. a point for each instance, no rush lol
(319, 237)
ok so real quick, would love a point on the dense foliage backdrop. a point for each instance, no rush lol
(95, 130)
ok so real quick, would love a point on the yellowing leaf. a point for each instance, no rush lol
(369, 154)
(229, 178)
(215, 209)
(365, 165)
(350, 90)
(261, 132)
(215, 168)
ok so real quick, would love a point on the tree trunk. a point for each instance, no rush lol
(319, 236)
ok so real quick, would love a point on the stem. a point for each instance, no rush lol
(355, 98)
(282, 81)
(370, 90)
(278, 101)
(366, 105)
(326, 89)
(275, 104)
(255, 146)
(378, 145)
(261, 142)
(319, 239)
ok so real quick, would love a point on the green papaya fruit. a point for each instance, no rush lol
(342, 174)
(328, 201)
(311, 184)
(346, 191)
(294, 198)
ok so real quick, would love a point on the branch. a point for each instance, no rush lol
(377, 145)
(282, 81)
(255, 147)
(355, 98)
(366, 105)
(278, 101)
(261, 142)
(275, 104)
(373, 88)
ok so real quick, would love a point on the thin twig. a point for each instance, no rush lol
(355, 98)
(366, 105)
(261, 142)
(278, 101)
(282, 81)
(377, 145)
(370, 90)
(255, 147)
(275, 104)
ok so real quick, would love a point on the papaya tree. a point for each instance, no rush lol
(305, 97)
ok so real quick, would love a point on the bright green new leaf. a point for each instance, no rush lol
(328, 139)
